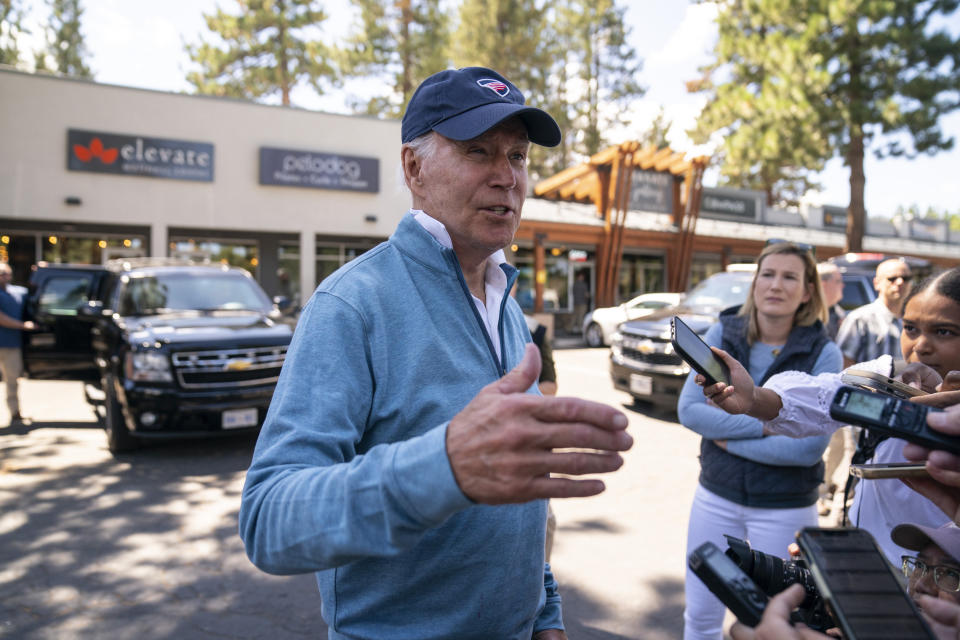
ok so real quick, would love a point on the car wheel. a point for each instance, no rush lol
(118, 436)
(594, 335)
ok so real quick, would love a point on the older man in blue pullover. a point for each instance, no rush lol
(407, 454)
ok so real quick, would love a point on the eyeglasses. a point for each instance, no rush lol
(892, 279)
(946, 578)
(801, 246)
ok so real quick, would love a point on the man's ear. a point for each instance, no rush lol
(411, 168)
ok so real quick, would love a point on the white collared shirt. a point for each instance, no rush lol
(495, 280)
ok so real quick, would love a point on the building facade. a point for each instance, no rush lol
(98, 171)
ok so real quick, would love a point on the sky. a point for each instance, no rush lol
(141, 44)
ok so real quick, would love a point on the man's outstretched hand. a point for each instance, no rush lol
(504, 445)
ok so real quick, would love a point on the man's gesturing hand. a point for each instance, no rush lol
(501, 445)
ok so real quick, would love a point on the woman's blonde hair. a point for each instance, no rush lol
(808, 312)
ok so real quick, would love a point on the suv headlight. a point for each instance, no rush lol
(148, 366)
(616, 344)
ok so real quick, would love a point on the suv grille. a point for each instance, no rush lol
(652, 358)
(229, 367)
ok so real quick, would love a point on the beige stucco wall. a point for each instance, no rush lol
(36, 112)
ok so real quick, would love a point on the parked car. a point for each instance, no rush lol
(642, 360)
(166, 348)
(599, 324)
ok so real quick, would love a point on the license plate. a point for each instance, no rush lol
(641, 385)
(238, 418)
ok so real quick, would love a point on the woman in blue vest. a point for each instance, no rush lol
(755, 487)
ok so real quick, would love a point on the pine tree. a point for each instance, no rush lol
(836, 73)
(265, 52)
(65, 51)
(656, 134)
(404, 41)
(11, 28)
(594, 35)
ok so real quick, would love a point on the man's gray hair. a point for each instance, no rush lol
(423, 147)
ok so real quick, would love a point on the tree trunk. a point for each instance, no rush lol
(856, 213)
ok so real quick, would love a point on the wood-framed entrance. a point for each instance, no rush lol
(606, 180)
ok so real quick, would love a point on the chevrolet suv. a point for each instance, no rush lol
(166, 348)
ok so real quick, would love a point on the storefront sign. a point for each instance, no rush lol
(651, 191)
(292, 168)
(723, 204)
(835, 217)
(130, 155)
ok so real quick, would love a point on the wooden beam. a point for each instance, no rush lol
(554, 182)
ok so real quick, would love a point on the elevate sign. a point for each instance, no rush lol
(130, 155)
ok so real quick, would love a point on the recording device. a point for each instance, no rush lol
(889, 470)
(772, 575)
(862, 593)
(697, 353)
(878, 382)
(892, 416)
(729, 583)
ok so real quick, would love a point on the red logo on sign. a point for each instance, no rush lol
(95, 150)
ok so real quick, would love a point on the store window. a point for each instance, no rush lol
(288, 271)
(556, 288)
(85, 248)
(333, 255)
(640, 274)
(236, 253)
(703, 266)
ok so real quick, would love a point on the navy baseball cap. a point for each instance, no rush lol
(461, 104)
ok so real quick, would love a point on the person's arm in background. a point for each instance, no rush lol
(709, 421)
(12, 323)
(548, 368)
(784, 450)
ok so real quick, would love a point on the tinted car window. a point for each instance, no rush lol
(158, 293)
(856, 293)
(62, 295)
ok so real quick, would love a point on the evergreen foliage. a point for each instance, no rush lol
(65, 51)
(804, 80)
(265, 51)
(401, 41)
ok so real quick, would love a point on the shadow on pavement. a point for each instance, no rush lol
(584, 616)
(141, 545)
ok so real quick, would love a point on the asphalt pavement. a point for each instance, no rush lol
(145, 544)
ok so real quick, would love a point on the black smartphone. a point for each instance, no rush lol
(879, 382)
(729, 583)
(697, 353)
(890, 415)
(862, 592)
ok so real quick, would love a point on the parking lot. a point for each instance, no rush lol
(145, 544)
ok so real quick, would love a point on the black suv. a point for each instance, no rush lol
(642, 360)
(168, 348)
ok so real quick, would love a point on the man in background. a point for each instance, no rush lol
(12, 298)
(873, 330)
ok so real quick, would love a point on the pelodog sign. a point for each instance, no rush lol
(293, 168)
(132, 155)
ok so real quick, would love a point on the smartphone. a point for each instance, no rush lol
(890, 415)
(860, 588)
(889, 470)
(697, 353)
(879, 382)
(729, 583)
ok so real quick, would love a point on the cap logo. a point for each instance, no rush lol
(498, 87)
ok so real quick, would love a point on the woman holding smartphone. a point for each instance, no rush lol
(756, 487)
(797, 404)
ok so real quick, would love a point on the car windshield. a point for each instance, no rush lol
(170, 292)
(720, 290)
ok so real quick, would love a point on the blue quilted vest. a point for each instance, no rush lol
(754, 484)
